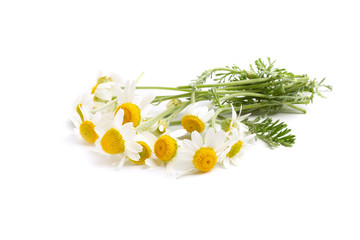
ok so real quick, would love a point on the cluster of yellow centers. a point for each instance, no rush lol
(165, 148)
(131, 113)
(192, 123)
(112, 142)
(204, 159)
(87, 131)
(144, 154)
(235, 149)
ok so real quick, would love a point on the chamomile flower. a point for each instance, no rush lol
(235, 121)
(105, 87)
(132, 105)
(165, 149)
(198, 154)
(119, 140)
(147, 155)
(85, 123)
(237, 145)
(195, 118)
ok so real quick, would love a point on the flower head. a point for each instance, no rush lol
(235, 122)
(237, 144)
(119, 140)
(86, 123)
(198, 154)
(147, 155)
(105, 87)
(132, 105)
(195, 118)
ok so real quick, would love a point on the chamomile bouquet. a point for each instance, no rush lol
(209, 122)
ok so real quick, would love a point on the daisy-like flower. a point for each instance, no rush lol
(85, 123)
(105, 87)
(195, 118)
(237, 145)
(84, 103)
(235, 121)
(166, 148)
(133, 106)
(147, 155)
(198, 154)
(119, 140)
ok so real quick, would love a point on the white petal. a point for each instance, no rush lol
(187, 144)
(133, 146)
(76, 120)
(129, 91)
(150, 138)
(121, 162)
(178, 133)
(183, 173)
(146, 101)
(154, 162)
(118, 120)
(210, 138)
(132, 155)
(180, 165)
(103, 94)
(233, 114)
(197, 139)
(221, 142)
(207, 116)
(235, 160)
(201, 111)
(84, 113)
(96, 117)
(226, 162)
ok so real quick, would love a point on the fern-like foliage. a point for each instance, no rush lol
(274, 133)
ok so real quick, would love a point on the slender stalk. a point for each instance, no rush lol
(235, 83)
(154, 119)
(141, 75)
(243, 94)
(177, 112)
(108, 104)
(163, 88)
(218, 111)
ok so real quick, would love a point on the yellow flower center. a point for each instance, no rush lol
(192, 123)
(205, 159)
(87, 131)
(144, 154)
(112, 142)
(131, 113)
(165, 148)
(235, 149)
(79, 112)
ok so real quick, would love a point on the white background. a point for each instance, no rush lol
(53, 187)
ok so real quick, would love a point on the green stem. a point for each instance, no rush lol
(163, 88)
(296, 107)
(177, 111)
(235, 83)
(218, 111)
(174, 123)
(141, 75)
(154, 119)
(108, 104)
(243, 94)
